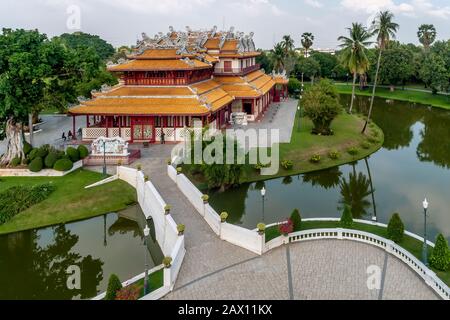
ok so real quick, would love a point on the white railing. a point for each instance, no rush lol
(391, 247)
(154, 206)
(93, 133)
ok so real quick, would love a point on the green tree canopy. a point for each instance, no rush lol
(396, 66)
(78, 40)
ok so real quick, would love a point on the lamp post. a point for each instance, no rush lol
(263, 194)
(425, 246)
(299, 109)
(146, 234)
(104, 157)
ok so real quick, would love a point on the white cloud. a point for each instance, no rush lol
(314, 3)
(428, 8)
(176, 7)
(256, 7)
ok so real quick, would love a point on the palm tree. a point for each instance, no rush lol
(278, 56)
(307, 41)
(354, 53)
(288, 45)
(385, 29)
(354, 193)
(427, 35)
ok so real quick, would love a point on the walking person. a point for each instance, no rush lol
(63, 137)
(69, 135)
(163, 137)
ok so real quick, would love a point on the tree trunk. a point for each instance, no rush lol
(14, 140)
(375, 83)
(30, 128)
(353, 93)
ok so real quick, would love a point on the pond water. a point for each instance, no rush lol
(414, 163)
(33, 263)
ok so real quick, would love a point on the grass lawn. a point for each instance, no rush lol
(156, 281)
(304, 145)
(437, 100)
(412, 245)
(70, 201)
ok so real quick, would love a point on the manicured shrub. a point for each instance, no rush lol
(42, 152)
(51, 159)
(19, 198)
(63, 165)
(167, 261)
(180, 229)
(27, 148)
(114, 285)
(315, 158)
(223, 216)
(395, 229)
(131, 292)
(261, 228)
(73, 154)
(287, 164)
(353, 151)
(83, 151)
(205, 198)
(15, 162)
(440, 255)
(334, 155)
(286, 227)
(346, 218)
(296, 219)
(372, 140)
(33, 154)
(36, 164)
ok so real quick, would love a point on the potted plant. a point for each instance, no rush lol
(139, 167)
(169, 162)
(167, 261)
(205, 198)
(146, 178)
(223, 217)
(261, 228)
(179, 170)
(181, 228)
(167, 208)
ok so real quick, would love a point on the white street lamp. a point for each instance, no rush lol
(425, 246)
(263, 194)
(146, 234)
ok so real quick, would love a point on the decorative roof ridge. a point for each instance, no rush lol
(149, 97)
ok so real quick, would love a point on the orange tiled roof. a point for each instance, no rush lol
(254, 75)
(241, 91)
(205, 86)
(230, 45)
(280, 80)
(147, 91)
(157, 54)
(261, 81)
(212, 44)
(239, 55)
(148, 65)
(229, 79)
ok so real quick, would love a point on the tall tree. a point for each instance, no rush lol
(385, 29)
(288, 45)
(427, 35)
(307, 41)
(78, 40)
(27, 59)
(434, 73)
(278, 57)
(354, 53)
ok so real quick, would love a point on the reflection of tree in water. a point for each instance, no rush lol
(394, 118)
(233, 201)
(354, 193)
(287, 180)
(326, 179)
(435, 144)
(28, 271)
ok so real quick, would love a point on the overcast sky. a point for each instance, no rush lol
(120, 22)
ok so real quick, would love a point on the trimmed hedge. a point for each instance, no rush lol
(83, 151)
(27, 148)
(114, 285)
(63, 165)
(73, 154)
(296, 219)
(395, 228)
(36, 164)
(19, 198)
(346, 218)
(440, 256)
(33, 154)
(15, 162)
(51, 159)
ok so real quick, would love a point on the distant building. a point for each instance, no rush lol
(174, 79)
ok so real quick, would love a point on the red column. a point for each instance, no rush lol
(73, 129)
(106, 125)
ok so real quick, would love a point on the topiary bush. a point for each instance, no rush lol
(334, 155)
(36, 165)
(296, 219)
(396, 228)
(287, 164)
(27, 148)
(315, 158)
(83, 151)
(63, 165)
(73, 154)
(346, 218)
(51, 159)
(33, 154)
(42, 152)
(353, 151)
(261, 228)
(440, 255)
(114, 285)
(15, 162)
(365, 145)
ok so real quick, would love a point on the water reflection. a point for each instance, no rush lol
(413, 163)
(33, 264)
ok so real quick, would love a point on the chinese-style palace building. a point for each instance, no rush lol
(170, 81)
